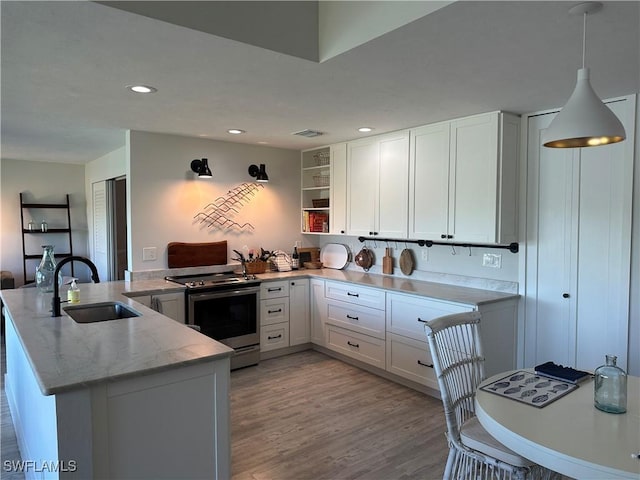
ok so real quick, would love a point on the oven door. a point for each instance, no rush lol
(229, 316)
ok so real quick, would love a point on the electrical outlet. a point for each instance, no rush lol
(149, 254)
(492, 260)
(425, 254)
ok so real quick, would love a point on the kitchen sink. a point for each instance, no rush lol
(100, 312)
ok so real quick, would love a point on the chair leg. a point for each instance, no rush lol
(451, 458)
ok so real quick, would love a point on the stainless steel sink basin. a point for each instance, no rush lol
(100, 312)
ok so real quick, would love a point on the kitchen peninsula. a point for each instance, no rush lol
(140, 397)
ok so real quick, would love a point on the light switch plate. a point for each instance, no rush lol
(148, 254)
(492, 260)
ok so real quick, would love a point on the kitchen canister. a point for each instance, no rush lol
(46, 270)
(610, 387)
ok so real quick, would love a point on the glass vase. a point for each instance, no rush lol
(610, 387)
(45, 271)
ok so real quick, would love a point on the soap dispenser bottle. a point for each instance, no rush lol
(73, 294)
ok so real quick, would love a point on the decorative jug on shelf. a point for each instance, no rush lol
(610, 387)
(45, 271)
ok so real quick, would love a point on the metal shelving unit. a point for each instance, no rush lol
(29, 206)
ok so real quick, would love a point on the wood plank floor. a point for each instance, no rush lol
(308, 416)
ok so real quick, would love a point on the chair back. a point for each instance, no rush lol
(456, 351)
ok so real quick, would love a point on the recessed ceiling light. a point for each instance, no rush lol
(235, 131)
(365, 129)
(142, 88)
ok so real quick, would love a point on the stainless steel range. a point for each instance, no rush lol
(225, 306)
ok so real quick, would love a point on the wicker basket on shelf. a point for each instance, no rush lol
(256, 266)
(321, 180)
(320, 202)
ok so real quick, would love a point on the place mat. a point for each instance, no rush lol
(530, 388)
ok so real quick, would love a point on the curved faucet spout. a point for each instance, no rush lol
(55, 301)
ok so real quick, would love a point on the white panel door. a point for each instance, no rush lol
(429, 181)
(473, 187)
(362, 181)
(393, 188)
(578, 248)
(101, 230)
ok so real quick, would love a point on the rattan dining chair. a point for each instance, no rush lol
(458, 361)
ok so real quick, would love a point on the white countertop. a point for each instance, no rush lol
(66, 355)
(438, 291)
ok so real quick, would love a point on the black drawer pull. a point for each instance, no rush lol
(273, 338)
(353, 294)
(353, 344)
(421, 320)
(352, 318)
(274, 311)
(425, 364)
(274, 289)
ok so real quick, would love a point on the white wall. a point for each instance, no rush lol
(165, 195)
(634, 299)
(45, 182)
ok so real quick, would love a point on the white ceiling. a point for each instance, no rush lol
(65, 66)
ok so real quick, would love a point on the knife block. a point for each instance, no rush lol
(387, 262)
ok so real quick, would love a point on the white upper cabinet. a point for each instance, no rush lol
(377, 185)
(464, 177)
(338, 155)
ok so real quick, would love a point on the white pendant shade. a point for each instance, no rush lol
(584, 121)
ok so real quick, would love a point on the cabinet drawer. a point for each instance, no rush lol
(354, 317)
(361, 347)
(274, 289)
(273, 337)
(275, 310)
(347, 292)
(405, 312)
(411, 359)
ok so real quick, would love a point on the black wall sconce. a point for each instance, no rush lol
(260, 174)
(201, 167)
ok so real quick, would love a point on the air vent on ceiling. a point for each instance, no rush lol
(308, 133)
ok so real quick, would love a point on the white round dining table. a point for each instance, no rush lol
(569, 435)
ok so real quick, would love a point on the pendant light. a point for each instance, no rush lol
(584, 121)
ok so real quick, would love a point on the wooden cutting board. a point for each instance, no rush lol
(196, 254)
(407, 263)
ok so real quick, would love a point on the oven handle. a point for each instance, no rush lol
(224, 293)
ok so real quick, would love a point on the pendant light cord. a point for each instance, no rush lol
(584, 38)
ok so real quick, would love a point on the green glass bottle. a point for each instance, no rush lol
(610, 387)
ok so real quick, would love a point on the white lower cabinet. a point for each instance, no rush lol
(274, 336)
(411, 359)
(284, 314)
(169, 304)
(355, 345)
(318, 312)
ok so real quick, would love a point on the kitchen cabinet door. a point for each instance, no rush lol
(392, 202)
(578, 263)
(299, 319)
(429, 181)
(362, 181)
(318, 312)
(170, 304)
(338, 217)
(483, 177)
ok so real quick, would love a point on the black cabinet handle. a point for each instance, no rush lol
(371, 233)
(353, 294)
(274, 289)
(275, 311)
(273, 338)
(565, 295)
(352, 318)
(341, 231)
(353, 344)
(421, 320)
(443, 236)
(425, 364)
(293, 283)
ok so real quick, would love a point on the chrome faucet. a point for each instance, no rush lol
(55, 301)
